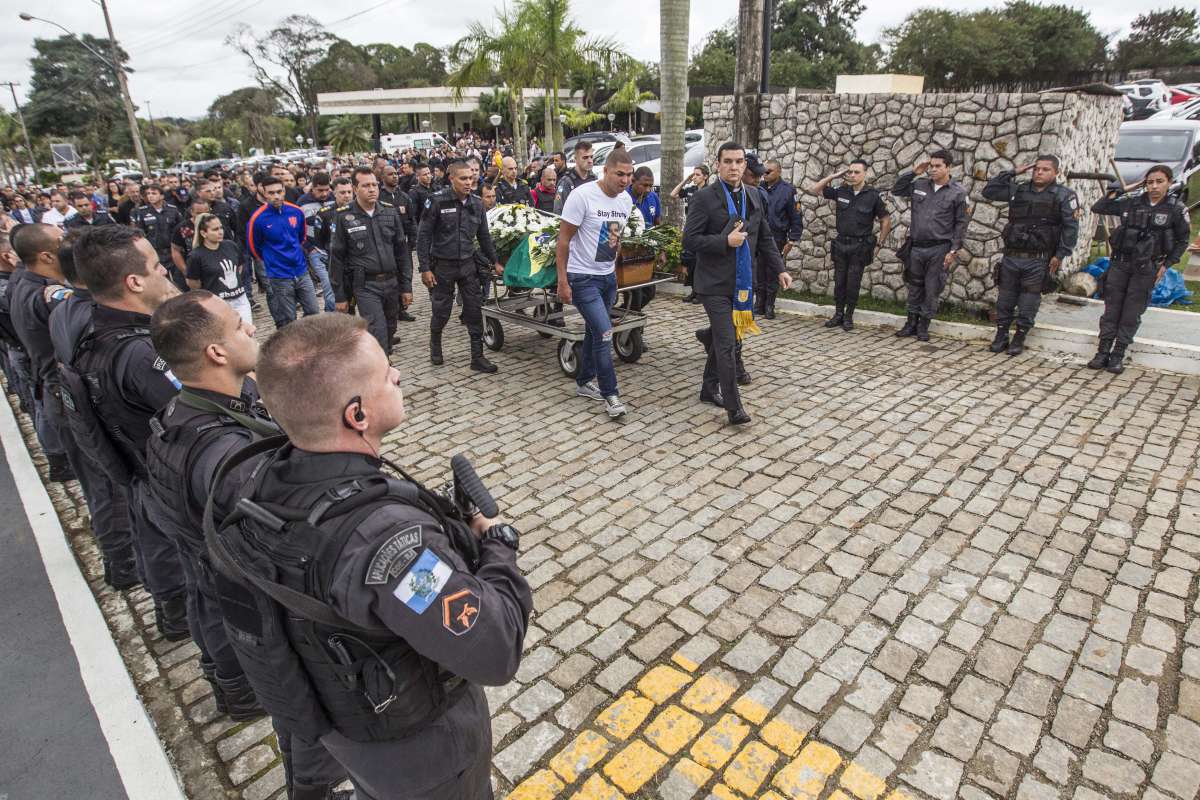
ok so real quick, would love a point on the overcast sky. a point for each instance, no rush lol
(177, 46)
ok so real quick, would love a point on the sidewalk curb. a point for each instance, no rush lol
(1148, 353)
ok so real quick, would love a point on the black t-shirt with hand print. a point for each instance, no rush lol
(217, 270)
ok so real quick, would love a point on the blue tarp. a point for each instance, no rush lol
(1171, 290)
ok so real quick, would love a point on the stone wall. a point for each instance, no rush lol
(815, 134)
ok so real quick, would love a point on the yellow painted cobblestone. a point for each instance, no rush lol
(751, 767)
(587, 749)
(707, 694)
(861, 783)
(596, 788)
(624, 716)
(541, 785)
(805, 777)
(661, 682)
(782, 736)
(633, 766)
(718, 744)
(672, 729)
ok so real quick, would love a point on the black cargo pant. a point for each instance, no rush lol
(378, 302)
(1127, 289)
(463, 276)
(1020, 290)
(851, 255)
(159, 563)
(766, 280)
(206, 622)
(926, 278)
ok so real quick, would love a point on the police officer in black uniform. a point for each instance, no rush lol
(1043, 226)
(157, 220)
(509, 188)
(323, 221)
(115, 383)
(34, 289)
(856, 207)
(391, 190)
(578, 175)
(15, 359)
(369, 259)
(71, 320)
(1152, 237)
(423, 189)
(452, 223)
(396, 612)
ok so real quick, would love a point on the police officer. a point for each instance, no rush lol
(86, 215)
(116, 382)
(856, 207)
(451, 225)
(423, 188)
(369, 258)
(787, 226)
(1152, 238)
(34, 289)
(71, 320)
(157, 220)
(15, 359)
(509, 188)
(400, 612)
(391, 193)
(1043, 226)
(578, 175)
(936, 230)
(323, 221)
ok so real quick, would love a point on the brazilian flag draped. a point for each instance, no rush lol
(529, 269)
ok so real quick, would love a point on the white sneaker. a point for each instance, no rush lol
(614, 406)
(590, 389)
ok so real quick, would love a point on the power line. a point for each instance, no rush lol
(175, 37)
(357, 14)
(219, 9)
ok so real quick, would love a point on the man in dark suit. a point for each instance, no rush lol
(727, 224)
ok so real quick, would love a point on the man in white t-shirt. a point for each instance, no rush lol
(59, 212)
(589, 238)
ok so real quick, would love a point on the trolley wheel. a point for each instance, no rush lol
(570, 355)
(629, 345)
(493, 333)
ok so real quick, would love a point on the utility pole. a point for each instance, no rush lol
(12, 87)
(150, 114)
(748, 72)
(116, 65)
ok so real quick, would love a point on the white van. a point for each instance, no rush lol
(390, 142)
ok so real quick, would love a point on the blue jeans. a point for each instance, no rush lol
(283, 295)
(594, 296)
(319, 262)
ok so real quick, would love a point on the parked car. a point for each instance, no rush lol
(1188, 110)
(595, 137)
(1184, 92)
(646, 151)
(1174, 142)
(1149, 96)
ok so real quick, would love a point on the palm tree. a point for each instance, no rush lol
(673, 92)
(561, 48)
(626, 99)
(348, 134)
(507, 53)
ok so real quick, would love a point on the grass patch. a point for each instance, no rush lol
(946, 311)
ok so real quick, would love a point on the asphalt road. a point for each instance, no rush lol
(50, 739)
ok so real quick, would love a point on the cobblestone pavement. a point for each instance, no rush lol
(925, 571)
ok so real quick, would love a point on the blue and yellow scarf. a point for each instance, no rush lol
(743, 296)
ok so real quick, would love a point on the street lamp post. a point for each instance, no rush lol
(115, 65)
(239, 144)
(496, 119)
(611, 117)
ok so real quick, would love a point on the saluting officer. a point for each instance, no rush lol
(370, 260)
(157, 220)
(378, 643)
(1152, 238)
(937, 227)
(1043, 226)
(856, 207)
(452, 223)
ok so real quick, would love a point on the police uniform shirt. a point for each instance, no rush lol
(70, 320)
(31, 299)
(513, 193)
(158, 225)
(1167, 220)
(403, 204)
(1003, 188)
(322, 226)
(398, 569)
(450, 228)
(206, 460)
(856, 212)
(567, 183)
(939, 213)
(368, 245)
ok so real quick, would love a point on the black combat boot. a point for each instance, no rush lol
(60, 469)
(1116, 359)
(704, 337)
(1000, 340)
(478, 362)
(848, 319)
(760, 304)
(1100, 360)
(769, 305)
(240, 703)
(836, 319)
(210, 674)
(1018, 342)
(121, 573)
(170, 616)
(923, 328)
(743, 376)
(738, 416)
(435, 348)
(910, 326)
(714, 397)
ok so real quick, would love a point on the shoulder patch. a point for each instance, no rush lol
(423, 582)
(393, 556)
(460, 611)
(56, 292)
(159, 364)
(1074, 200)
(429, 202)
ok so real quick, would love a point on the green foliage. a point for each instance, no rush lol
(1166, 38)
(1018, 43)
(348, 134)
(625, 100)
(579, 119)
(203, 149)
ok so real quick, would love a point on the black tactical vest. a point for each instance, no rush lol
(1145, 233)
(8, 333)
(308, 666)
(1034, 221)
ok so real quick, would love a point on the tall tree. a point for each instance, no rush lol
(673, 91)
(348, 134)
(1165, 38)
(283, 59)
(626, 99)
(748, 69)
(249, 114)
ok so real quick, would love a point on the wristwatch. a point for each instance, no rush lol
(504, 533)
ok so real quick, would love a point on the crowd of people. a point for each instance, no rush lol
(256, 511)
